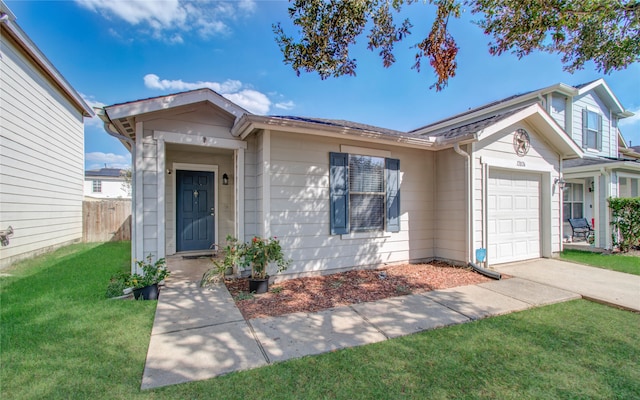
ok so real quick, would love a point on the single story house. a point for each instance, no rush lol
(338, 194)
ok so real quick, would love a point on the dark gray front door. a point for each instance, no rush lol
(195, 212)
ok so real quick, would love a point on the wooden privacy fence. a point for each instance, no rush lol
(106, 220)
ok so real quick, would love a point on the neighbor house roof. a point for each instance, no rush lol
(9, 27)
(105, 172)
(588, 164)
(516, 101)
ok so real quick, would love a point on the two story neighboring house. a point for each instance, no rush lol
(589, 114)
(107, 183)
(41, 134)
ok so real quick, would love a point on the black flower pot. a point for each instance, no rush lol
(147, 292)
(258, 286)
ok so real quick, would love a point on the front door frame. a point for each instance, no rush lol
(199, 168)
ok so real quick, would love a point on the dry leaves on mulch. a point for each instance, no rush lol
(322, 292)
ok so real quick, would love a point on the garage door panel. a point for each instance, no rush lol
(514, 216)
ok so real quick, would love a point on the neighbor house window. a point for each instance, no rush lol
(97, 186)
(628, 187)
(365, 195)
(573, 201)
(591, 130)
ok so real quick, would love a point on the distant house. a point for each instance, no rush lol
(339, 194)
(107, 183)
(41, 149)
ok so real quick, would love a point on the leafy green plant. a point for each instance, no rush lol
(625, 218)
(231, 260)
(244, 296)
(152, 272)
(117, 284)
(277, 290)
(260, 252)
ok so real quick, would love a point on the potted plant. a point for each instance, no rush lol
(259, 253)
(226, 267)
(145, 286)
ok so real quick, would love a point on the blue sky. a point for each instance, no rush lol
(117, 51)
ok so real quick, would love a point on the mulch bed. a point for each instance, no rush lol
(321, 292)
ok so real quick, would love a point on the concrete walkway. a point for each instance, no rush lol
(199, 333)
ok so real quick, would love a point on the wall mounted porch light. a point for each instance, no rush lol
(561, 183)
(225, 179)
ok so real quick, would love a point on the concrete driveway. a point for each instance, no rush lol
(602, 285)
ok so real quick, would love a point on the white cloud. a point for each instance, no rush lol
(631, 120)
(285, 105)
(234, 90)
(166, 18)
(252, 100)
(97, 160)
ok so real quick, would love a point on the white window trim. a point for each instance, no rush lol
(601, 133)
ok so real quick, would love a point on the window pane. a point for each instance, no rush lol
(577, 192)
(366, 212)
(592, 121)
(634, 187)
(577, 210)
(566, 193)
(592, 140)
(567, 211)
(366, 174)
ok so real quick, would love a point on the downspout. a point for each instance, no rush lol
(457, 149)
(483, 271)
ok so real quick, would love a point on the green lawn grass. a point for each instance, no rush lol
(615, 262)
(62, 339)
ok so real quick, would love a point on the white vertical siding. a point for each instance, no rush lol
(151, 220)
(41, 160)
(299, 207)
(250, 190)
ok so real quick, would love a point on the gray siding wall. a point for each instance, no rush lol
(450, 200)
(592, 102)
(41, 160)
(299, 207)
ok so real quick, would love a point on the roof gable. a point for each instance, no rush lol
(533, 114)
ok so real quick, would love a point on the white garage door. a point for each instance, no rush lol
(514, 216)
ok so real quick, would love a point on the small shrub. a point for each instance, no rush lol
(625, 218)
(117, 284)
(244, 296)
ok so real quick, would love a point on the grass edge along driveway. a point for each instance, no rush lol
(617, 262)
(60, 338)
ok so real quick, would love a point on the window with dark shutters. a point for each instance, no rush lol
(365, 193)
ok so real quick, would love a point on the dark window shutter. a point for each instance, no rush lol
(584, 127)
(599, 139)
(339, 193)
(392, 167)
